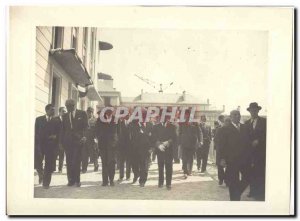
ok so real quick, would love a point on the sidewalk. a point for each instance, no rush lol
(195, 187)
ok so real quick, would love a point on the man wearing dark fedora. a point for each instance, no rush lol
(257, 134)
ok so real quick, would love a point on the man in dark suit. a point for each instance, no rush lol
(61, 150)
(46, 144)
(124, 145)
(257, 134)
(235, 155)
(106, 132)
(74, 126)
(89, 149)
(202, 152)
(164, 136)
(190, 135)
(218, 145)
(142, 148)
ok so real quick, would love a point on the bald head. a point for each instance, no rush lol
(70, 105)
(235, 116)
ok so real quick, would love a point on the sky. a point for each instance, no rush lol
(227, 67)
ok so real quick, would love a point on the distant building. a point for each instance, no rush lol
(174, 99)
(107, 91)
(66, 66)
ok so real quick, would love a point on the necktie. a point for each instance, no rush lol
(71, 119)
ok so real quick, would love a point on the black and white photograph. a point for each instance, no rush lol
(219, 156)
(157, 113)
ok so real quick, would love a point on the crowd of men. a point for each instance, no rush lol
(131, 146)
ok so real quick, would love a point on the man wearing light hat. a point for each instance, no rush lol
(257, 133)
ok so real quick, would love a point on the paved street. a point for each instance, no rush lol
(195, 187)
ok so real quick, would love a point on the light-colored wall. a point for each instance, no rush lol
(43, 70)
(67, 37)
(114, 101)
(46, 67)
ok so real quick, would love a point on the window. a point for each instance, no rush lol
(55, 92)
(75, 38)
(92, 60)
(84, 45)
(58, 35)
(106, 101)
(73, 92)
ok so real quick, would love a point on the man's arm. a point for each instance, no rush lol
(37, 133)
(84, 126)
(222, 145)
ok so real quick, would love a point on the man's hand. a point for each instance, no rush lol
(161, 147)
(222, 163)
(166, 143)
(83, 140)
(254, 143)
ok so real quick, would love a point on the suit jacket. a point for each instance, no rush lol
(259, 133)
(75, 133)
(124, 136)
(206, 131)
(60, 124)
(141, 137)
(215, 136)
(106, 134)
(91, 131)
(189, 135)
(44, 130)
(235, 145)
(218, 142)
(162, 133)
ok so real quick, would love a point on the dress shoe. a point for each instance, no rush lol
(104, 184)
(40, 179)
(169, 187)
(96, 168)
(78, 184)
(127, 178)
(70, 184)
(142, 185)
(84, 171)
(134, 180)
(185, 176)
(120, 179)
(60, 171)
(46, 187)
(112, 184)
(203, 171)
(220, 182)
(160, 185)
